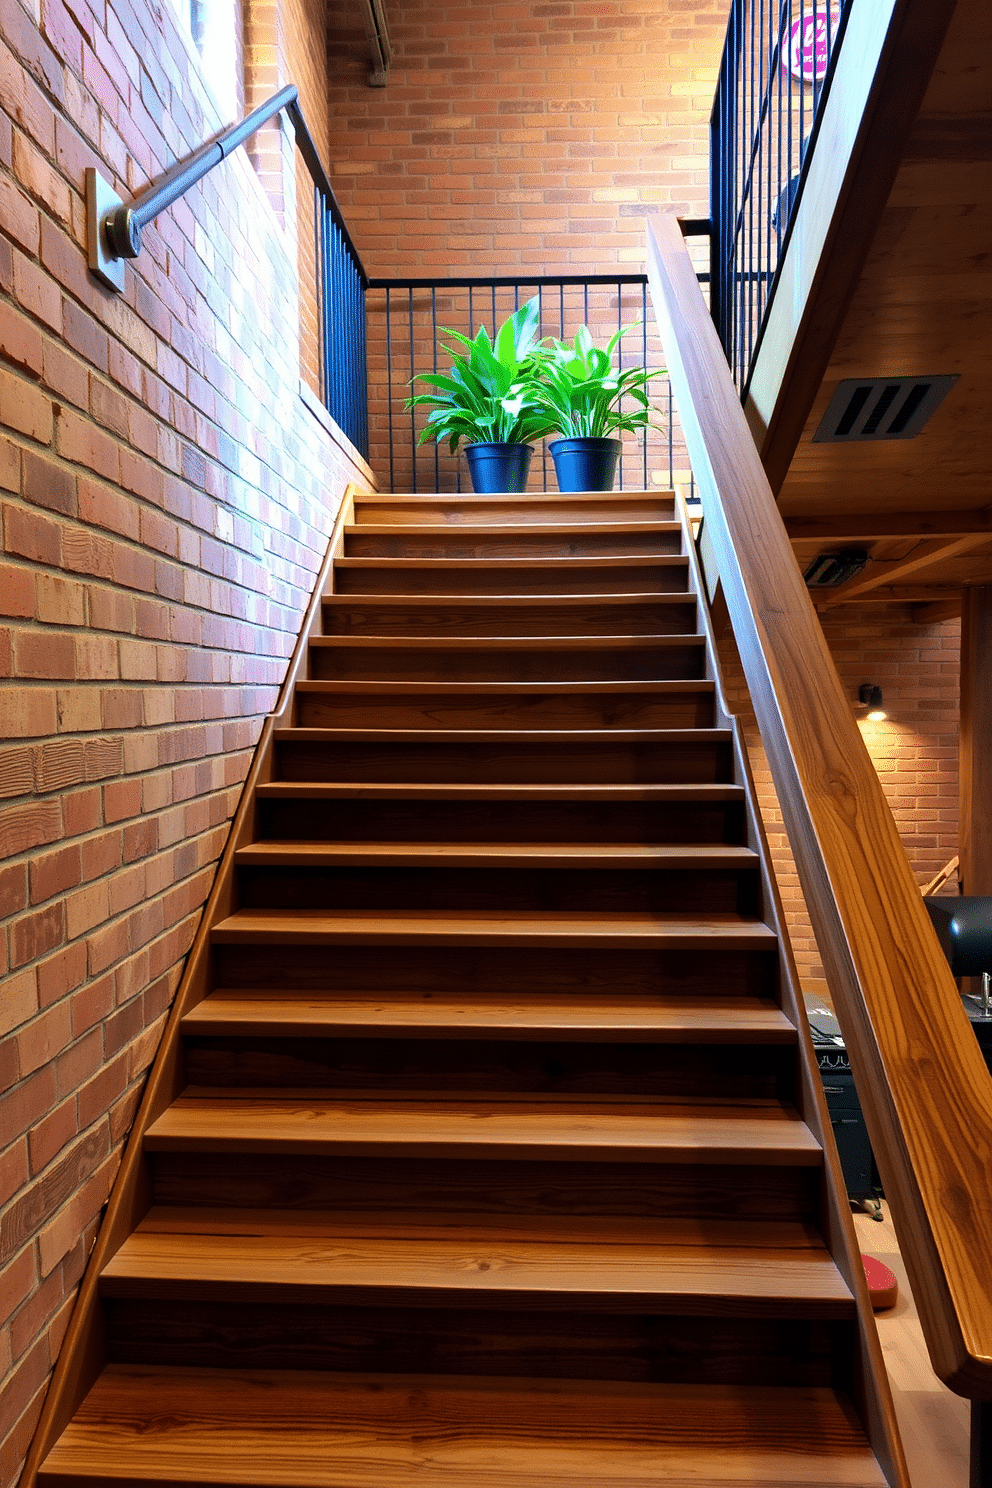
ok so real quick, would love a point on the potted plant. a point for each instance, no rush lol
(490, 399)
(583, 393)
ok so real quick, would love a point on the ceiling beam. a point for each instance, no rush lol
(936, 611)
(891, 573)
(878, 526)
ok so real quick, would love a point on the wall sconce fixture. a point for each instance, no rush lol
(871, 697)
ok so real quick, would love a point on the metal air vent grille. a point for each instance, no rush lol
(881, 408)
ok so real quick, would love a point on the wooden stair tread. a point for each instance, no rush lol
(512, 565)
(619, 930)
(557, 737)
(537, 498)
(296, 1429)
(251, 1255)
(638, 598)
(555, 1128)
(662, 641)
(498, 854)
(373, 687)
(508, 529)
(276, 790)
(234, 1012)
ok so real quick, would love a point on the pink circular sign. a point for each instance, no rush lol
(809, 42)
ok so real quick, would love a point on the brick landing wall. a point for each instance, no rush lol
(915, 751)
(165, 500)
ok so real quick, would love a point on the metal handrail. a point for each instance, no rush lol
(114, 230)
(122, 226)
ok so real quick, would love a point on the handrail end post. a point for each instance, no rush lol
(102, 202)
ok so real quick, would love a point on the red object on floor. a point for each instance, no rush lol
(883, 1288)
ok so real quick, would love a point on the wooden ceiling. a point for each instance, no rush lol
(921, 305)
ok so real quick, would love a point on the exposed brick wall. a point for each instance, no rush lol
(538, 134)
(537, 137)
(165, 499)
(914, 750)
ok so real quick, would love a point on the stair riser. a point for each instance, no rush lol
(409, 968)
(499, 821)
(485, 1187)
(478, 1341)
(696, 762)
(426, 619)
(676, 1072)
(513, 511)
(380, 664)
(453, 544)
(661, 891)
(491, 578)
(568, 710)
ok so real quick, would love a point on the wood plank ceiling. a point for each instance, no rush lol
(922, 508)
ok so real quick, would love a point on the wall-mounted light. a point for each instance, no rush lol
(871, 697)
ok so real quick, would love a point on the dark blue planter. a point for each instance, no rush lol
(496, 468)
(585, 464)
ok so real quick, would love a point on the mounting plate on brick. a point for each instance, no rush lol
(101, 198)
(866, 408)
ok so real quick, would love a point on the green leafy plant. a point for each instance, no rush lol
(583, 391)
(490, 395)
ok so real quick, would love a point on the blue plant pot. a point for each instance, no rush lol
(497, 468)
(585, 464)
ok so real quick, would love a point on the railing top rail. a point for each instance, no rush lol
(504, 281)
(921, 1079)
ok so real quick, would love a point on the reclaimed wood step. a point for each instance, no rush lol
(525, 615)
(617, 930)
(555, 855)
(469, 510)
(244, 1428)
(551, 1128)
(728, 1267)
(512, 576)
(284, 790)
(481, 707)
(570, 1017)
(495, 659)
(583, 540)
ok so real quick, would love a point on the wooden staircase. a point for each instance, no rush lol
(486, 1151)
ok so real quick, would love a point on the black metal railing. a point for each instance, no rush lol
(777, 64)
(115, 230)
(406, 318)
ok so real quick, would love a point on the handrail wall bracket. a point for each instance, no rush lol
(102, 203)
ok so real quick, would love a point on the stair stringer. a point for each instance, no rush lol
(83, 1353)
(872, 1395)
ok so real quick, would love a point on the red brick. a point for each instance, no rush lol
(20, 341)
(36, 292)
(17, 595)
(32, 936)
(13, 889)
(27, 712)
(53, 873)
(24, 408)
(47, 654)
(61, 974)
(82, 442)
(30, 535)
(23, 827)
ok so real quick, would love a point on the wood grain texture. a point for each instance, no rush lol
(615, 931)
(690, 1267)
(896, 1000)
(635, 1131)
(246, 1429)
(436, 1014)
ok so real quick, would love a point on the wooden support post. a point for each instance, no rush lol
(975, 833)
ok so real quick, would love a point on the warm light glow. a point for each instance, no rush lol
(870, 696)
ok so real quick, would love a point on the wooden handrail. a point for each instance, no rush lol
(921, 1079)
